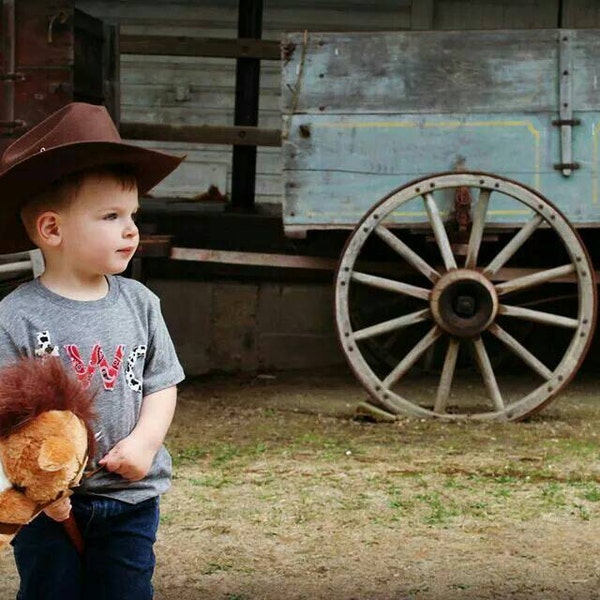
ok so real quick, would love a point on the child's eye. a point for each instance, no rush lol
(110, 216)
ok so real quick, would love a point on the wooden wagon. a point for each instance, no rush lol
(467, 166)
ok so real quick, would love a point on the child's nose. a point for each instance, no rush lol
(131, 230)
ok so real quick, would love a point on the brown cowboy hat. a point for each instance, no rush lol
(76, 137)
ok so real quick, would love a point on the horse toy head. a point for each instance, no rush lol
(45, 438)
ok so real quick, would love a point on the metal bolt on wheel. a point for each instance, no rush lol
(465, 302)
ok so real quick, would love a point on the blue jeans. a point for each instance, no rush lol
(117, 563)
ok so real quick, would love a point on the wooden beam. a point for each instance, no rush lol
(260, 259)
(202, 134)
(317, 262)
(207, 47)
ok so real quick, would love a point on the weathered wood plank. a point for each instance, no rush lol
(429, 72)
(253, 258)
(277, 16)
(205, 134)
(189, 115)
(216, 76)
(199, 47)
(479, 71)
(336, 167)
(207, 165)
(191, 179)
(184, 94)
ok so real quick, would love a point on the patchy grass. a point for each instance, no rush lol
(283, 485)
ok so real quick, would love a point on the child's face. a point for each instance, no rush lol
(98, 232)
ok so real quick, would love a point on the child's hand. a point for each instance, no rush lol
(131, 458)
(59, 510)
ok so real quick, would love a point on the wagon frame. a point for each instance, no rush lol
(476, 129)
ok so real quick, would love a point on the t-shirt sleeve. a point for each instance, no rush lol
(162, 368)
(9, 351)
(11, 348)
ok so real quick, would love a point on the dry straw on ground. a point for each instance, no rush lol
(280, 494)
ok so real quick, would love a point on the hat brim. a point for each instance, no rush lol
(26, 179)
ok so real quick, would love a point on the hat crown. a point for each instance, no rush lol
(75, 123)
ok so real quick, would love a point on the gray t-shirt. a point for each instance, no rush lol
(119, 345)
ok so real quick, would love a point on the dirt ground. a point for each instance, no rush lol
(280, 493)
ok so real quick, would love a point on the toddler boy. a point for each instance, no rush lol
(70, 187)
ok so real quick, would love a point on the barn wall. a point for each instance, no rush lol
(200, 91)
(226, 325)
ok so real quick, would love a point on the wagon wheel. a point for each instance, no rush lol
(469, 303)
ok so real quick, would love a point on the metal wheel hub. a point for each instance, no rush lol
(464, 303)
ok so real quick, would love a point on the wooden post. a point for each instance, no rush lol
(247, 84)
(111, 71)
(7, 67)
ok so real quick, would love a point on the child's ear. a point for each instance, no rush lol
(47, 228)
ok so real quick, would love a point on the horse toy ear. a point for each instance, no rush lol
(46, 436)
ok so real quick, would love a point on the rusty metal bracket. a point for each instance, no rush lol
(567, 166)
(565, 120)
(12, 77)
(462, 210)
(571, 122)
(12, 124)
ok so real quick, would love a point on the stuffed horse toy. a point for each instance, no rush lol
(45, 439)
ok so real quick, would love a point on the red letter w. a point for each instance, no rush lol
(108, 371)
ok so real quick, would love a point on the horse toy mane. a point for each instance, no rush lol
(32, 386)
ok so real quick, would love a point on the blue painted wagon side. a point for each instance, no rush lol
(364, 114)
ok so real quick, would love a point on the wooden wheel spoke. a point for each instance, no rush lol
(412, 357)
(476, 236)
(443, 391)
(439, 231)
(487, 372)
(391, 285)
(406, 253)
(527, 357)
(527, 281)
(515, 243)
(537, 316)
(392, 324)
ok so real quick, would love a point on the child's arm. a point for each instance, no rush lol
(132, 457)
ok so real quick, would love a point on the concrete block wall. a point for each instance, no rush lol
(249, 327)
